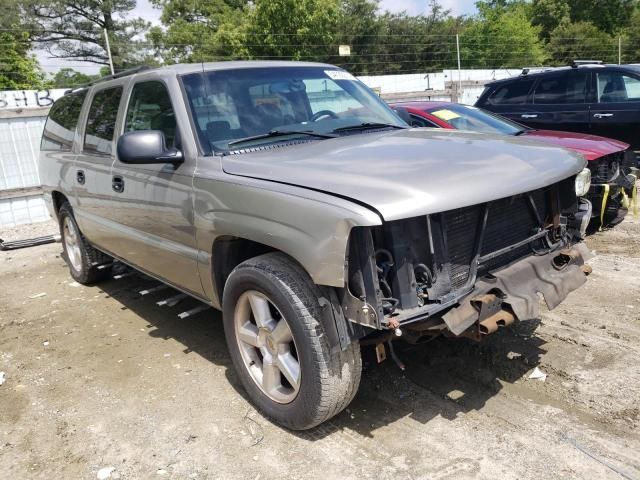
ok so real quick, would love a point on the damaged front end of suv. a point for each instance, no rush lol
(469, 271)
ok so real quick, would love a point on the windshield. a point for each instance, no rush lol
(279, 104)
(465, 117)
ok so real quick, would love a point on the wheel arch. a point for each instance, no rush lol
(58, 198)
(229, 251)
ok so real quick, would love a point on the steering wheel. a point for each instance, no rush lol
(323, 113)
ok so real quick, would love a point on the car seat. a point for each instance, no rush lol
(614, 91)
(218, 131)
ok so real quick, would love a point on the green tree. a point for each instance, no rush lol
(18, 69)
(74, 29)
(581, 40)
(199, 31)
(607, 15)
(359, 27)
(501, 36)
(631, 39)
(293, 29)
(549, 14)
(68, 77)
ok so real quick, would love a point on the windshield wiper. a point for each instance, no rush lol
(367, 126)
(280, 133)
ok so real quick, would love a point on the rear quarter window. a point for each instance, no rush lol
(101, 121)
(512, 93)
(61, 124)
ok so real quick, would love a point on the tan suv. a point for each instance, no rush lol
(292, 198)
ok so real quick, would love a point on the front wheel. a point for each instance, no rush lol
(271, 315)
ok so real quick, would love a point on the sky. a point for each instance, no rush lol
(145, 10)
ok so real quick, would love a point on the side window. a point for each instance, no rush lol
(616, 87)
(417, 121)
(150, 109)
(513, 93)
(101, 122)
(62, 121)
(567, 87)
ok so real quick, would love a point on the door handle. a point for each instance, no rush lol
(602, 115)
(117, 183)
(80, 177)
(529, 115)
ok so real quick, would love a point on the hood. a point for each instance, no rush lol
(591, 147)
(406, 173)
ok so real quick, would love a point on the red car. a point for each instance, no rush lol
(609, 160)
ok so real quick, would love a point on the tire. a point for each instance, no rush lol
(82, 258)
(327, 382)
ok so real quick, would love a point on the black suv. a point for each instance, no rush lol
(586, 97)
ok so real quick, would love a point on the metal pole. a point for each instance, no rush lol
(106, 39)
(619, 50)
(459, 71)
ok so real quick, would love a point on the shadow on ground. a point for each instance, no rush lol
(444, 377)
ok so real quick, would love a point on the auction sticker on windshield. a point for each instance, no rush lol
(445, 114)
(339, 75)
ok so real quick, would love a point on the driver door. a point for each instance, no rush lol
(154, 202)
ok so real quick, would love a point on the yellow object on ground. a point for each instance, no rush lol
(603, 209)
(634, 202)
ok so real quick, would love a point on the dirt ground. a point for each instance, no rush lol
(102, 378)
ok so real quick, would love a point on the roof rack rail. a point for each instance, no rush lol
(121, 74)
(537, 69)
(577, 63)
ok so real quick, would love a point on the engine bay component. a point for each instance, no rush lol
(479, 267)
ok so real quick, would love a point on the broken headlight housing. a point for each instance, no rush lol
(583, 182)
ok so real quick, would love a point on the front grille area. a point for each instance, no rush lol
(509, 221)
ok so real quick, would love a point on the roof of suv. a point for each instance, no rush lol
(543, 71)
(186, 68)
(182, 68)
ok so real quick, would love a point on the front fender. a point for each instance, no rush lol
(312, 227)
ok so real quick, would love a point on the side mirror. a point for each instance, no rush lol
(403, 113)
(146, 146)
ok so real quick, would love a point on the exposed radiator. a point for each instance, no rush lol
(509, 221)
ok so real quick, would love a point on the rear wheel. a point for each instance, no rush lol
(82, 258)
(271, 314)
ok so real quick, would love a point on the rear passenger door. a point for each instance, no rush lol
(560, 102)
(616, 110)
(92, 170)
(511, 99)
(59, 145)
(154, 203)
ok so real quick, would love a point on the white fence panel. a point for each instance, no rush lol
(19, 147)
(22, 210)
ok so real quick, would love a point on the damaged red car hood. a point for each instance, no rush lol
(591, 147)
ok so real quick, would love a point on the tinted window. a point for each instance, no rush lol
(101, 122)
(567, 87)
(513, 93)
(617, 87)
(150, 109)
(62, 122)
